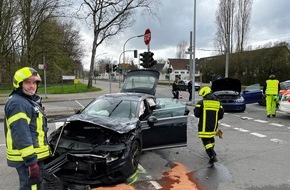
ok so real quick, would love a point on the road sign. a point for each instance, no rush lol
(147, 36)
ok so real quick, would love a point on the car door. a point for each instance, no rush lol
(170, 130)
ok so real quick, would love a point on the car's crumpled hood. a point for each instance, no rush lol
(226, 84)
(119, 125)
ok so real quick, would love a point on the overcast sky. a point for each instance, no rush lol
(270, 22)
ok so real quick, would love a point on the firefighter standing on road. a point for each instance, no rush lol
(209, 110)
(271, 91)
(175, 88)
(26, 130)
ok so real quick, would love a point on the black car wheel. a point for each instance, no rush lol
(135, 155)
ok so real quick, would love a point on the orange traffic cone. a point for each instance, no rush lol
(180, 96)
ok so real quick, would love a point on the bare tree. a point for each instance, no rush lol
(224, 21)
(232, 20)
(243, 15)
(8, 17)
(108, 18)
(180, 49)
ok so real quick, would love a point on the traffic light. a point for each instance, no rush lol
(115, 68)
(135, 53)
(108, 68)
(144, 59)
(150, 59)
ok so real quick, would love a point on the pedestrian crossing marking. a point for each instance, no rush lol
(277, 124)
(258, 135)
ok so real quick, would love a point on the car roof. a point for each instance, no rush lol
(285, 85)
(226, 84)
(128, 96)
(141, 81)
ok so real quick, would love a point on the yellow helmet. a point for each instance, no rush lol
(23, 74)
(204, 91)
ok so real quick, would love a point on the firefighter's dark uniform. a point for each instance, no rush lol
(209, 111)
(26, 135)
(175, 89)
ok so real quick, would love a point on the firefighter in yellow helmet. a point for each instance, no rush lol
(209, 110)
(26, 129)
(271, 92)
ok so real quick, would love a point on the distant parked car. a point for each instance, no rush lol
(284, 86)
(252, 94)
(284, 103)
(228, 92)
(183, 84)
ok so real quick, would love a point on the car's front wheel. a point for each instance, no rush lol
(135, 155)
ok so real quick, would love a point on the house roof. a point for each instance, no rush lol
(179, 64)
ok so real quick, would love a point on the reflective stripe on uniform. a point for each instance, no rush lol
(209, 105)
(210, 145)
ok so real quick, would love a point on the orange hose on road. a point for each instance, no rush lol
(177, 178)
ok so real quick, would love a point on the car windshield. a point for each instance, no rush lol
(140, 82)
(285, 85)
(110, 107)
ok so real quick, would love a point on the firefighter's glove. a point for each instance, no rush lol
(34, 171)
(35, 174)
(219, 133)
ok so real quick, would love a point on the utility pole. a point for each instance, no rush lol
(193, 55)
(227, 54)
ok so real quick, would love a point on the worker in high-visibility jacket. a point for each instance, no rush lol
(271, 92)
(209, 110)
(26, 130)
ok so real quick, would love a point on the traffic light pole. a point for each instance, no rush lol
(124, 58)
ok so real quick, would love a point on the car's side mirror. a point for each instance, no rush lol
(151, 120)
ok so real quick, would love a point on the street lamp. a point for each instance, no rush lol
(95, 64)
(138, 36)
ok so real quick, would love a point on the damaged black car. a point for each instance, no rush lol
(102, 143)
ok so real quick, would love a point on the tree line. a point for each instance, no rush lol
(34, 32)
(251, 66)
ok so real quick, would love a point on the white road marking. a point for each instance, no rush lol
(261, 121)
(258, 135)
(288, 127)
(79, 104)
(249, 118)
(225, 125)
(277, 124)
(278, 141)
(2, 145)
(156, 185)
(242, 130)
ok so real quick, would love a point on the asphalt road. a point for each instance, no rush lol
(253, 155)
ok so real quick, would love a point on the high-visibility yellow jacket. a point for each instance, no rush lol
(272, 87)
(209, 111)
(25, 130)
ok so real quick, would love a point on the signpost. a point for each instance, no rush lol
(147, 36)
(44, 67)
